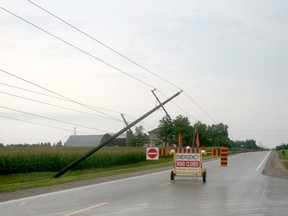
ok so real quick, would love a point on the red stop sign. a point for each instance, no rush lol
(152, 153)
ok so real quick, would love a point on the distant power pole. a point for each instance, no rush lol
(75, 132)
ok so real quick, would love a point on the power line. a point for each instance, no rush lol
(52, 119)
(53, 92)
(58, 98)
(125, 57)
(200, 107)
(54, 105)
(75, 47)
(178, 106)
(35, 92)
(63, 99)
(21, 120)
(108, 47)
(108, 64)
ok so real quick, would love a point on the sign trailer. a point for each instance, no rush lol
(187, 164)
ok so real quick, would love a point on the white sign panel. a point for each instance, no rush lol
(152, 153)
(187, 162)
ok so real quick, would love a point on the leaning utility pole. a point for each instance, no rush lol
(95, 149)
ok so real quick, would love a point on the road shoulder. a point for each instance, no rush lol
(274, 166)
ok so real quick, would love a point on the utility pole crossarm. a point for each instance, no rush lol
(160, 103)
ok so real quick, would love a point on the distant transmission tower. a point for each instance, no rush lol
(75, 132)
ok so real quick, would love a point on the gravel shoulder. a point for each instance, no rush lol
(274, 167)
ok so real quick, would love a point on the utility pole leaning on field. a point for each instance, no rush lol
(110, 139)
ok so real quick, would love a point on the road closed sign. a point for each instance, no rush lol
(152, 153)
(187, 162)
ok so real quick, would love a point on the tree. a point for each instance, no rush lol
(182, 126)
(201, 129)
(247, 144)
(218, 135)
(59, 143)
(166, 134)
(139, 137)
(170, 129)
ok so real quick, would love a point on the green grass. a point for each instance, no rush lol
(20, 181)
(285, 163)
(283, 155)
(15, 182)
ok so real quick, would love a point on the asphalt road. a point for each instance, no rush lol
(239, 189)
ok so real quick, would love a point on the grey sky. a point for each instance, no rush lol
(229, 56)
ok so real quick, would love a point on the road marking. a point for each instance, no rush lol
(263, 161)
(86, 209)
(162, 185)
(25, 199)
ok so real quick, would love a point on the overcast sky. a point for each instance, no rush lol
(230, 57)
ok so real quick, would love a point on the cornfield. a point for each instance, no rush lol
(51, 159)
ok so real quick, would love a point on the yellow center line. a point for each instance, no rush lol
(86, 209)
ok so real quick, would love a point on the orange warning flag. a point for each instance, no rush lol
(180, 139)
(197, 140)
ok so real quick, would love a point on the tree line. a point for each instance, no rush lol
(169, 130)
(42, 144)
(283, 146)
(209, 135)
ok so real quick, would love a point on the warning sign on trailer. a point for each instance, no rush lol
(187, 162)
(152, 153)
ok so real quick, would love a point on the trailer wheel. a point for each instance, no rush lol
(172, 175)
(204, 176)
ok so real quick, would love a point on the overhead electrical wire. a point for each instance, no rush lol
(127, 58)
(108, 47)
(108, 64)
(63, 99)
(116, 119)
(54, 105)
(52, 119)
(21, 120)
(35, 92)
(79, 49)
(75, 47)
(199, 107)
(59, 98)
(25, 80)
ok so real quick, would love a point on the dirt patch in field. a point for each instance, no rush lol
(274, 166)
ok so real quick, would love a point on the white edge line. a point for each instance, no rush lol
(263, 161)
(89, 186)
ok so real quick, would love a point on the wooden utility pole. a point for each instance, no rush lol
(110, 139)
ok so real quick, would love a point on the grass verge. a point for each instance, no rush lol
(283, 155)
(15, 182)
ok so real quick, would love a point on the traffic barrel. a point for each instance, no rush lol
(224, 156)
